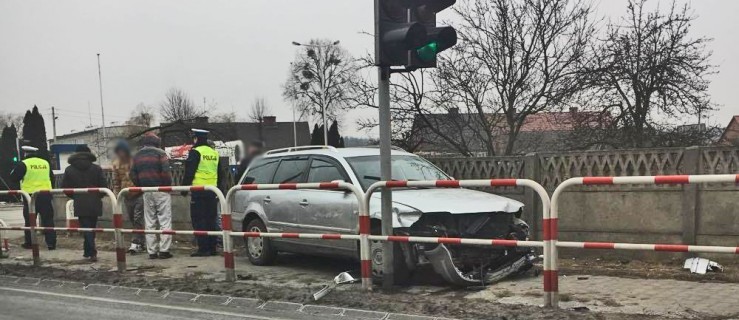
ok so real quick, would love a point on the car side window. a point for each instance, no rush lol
(324, 171)
(291, 170)
(261, 171)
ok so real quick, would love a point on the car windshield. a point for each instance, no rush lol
(409, 168)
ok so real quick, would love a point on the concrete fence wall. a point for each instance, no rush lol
(691, 214)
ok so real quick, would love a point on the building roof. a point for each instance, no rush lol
(542, 131)
(274, 134)
(731, 133)
(94, 130)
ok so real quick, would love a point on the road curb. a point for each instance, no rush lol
(207, 299)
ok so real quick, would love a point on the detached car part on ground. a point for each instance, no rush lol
(461, 213)
(451, 213)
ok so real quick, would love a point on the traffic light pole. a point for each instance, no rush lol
(383, 84)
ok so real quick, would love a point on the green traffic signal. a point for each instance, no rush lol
(15, 159)
(428, 52)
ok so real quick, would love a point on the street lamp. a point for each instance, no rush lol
(323, 90)
(295, 43)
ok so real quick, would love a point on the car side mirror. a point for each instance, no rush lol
(249, 180)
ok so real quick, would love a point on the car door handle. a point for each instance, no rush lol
(267, 200)
(304, 203)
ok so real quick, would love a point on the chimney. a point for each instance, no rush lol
(269, 120)
(201, 120)
(573, 109)
(454, 111)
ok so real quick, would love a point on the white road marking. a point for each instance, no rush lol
(144, 304)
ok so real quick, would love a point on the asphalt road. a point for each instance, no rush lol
(23, 303)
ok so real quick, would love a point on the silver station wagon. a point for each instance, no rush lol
(416, 212)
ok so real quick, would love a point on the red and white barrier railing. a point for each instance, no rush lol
(363, 220)
(643, 180)
(32, 216)
(228, 256)
(5, 246)
(549, 266)
(70, 192)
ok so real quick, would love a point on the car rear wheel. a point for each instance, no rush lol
(259, 250)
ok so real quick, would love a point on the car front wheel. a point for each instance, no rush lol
(258, 249)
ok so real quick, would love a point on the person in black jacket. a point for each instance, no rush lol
(255, 149)
(83, 173)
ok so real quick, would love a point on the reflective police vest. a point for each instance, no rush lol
(207, 172)
(37, 175)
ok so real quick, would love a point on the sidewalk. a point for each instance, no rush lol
(623, 295)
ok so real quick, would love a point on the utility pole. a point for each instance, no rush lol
(102, 109)
(406, 35)
(386, 208)
(53, 122)
(295, 130)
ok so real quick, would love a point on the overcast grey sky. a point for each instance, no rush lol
(228, 52)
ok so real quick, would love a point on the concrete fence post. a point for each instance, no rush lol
(690, 203)
(532, 208)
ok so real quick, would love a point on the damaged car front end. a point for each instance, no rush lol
(460, 213)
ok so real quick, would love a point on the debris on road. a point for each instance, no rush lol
(343, 278)
(702, 265)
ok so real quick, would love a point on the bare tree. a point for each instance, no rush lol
(320, 79)
(418, 114)
(648, 72)
(142, 115)
(9, 119)
(177, 106)
(259, 109)
(515, 59)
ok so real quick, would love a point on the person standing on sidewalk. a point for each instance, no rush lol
(151, 169)
(34, 174)
(201, 169)
(255, 149)
(133, 202)
(88, 207)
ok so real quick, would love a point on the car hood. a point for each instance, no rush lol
(409, 203)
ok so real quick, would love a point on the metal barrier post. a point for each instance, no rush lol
(648, 180)
(32, 229)
(550, 270)
(225, 216)
(4, 237)
(364, 222)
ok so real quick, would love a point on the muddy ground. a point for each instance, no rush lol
(295, 278)
(446, 303)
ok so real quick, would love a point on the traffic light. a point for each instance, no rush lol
(407, 35)
(438, 39)
(15, 159)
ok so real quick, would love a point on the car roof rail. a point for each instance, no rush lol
(391, 147)
(300, 148)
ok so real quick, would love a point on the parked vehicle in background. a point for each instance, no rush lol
(416, 212)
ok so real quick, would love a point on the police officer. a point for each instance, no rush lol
(34, 174)
(201, 169)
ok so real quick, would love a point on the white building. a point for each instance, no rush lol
(93, 138)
